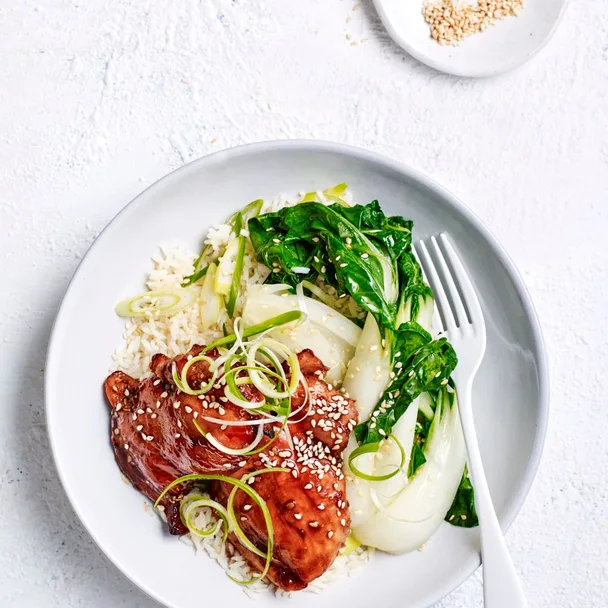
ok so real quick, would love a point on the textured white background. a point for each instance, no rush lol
(99, 98)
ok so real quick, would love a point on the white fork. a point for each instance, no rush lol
(464, 326)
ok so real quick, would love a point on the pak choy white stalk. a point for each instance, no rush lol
(367, 255)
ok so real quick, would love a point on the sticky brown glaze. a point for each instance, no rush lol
(156, 440)
(308, 505)
(155, 436)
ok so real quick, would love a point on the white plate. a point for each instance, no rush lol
(510, 390)
(502, 47)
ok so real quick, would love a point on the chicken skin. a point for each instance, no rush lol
(156, 440)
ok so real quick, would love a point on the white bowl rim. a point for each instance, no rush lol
(415, 175)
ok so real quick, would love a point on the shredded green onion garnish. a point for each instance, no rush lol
(182, 381)
(239, 484)
(254, 330)
(155, 303)
(200, 268)
(191, 503)
(372, 448)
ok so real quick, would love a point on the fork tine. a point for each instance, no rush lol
(443, 306)
(454, 297)
(466, 287)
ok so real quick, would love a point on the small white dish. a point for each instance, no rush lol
(510, 393)
(502, 47)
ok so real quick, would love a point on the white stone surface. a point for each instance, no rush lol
(98, 99)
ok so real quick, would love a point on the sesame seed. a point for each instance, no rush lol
(343, 522)
(153, 416)
(116, 431)
(242, 463)
(156, 382)
(164, 395)
(330, 534)
(126, 446)
(177, 404)
(177, 435)
(139, 427)
(157, 404)
(297, 515)
(343, 265)
(314, 524)
(126, 392)
(321, 507)
(308, 486)
(188, 409)
(140, 411)
(246, 507)
(148, 410)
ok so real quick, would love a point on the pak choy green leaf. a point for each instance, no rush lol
(355, 249)
(420, 365)
(462, 513)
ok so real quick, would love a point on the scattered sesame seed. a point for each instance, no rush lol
(246, 507)
(242, 463)
(314, 524)
(330, 534)
(126, 392)
(140, 411)
(126, 446)
(139, 427)
(156, 382)
(321, 507)
(297, 515)
(177, 435)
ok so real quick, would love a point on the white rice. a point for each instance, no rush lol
(175, 334)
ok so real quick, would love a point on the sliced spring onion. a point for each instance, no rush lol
(254, 330)
(191, 503)
(267, 520)
(210, 302)
(247, 212)
(155, 302)
(200, 268)
(239, 484)
(253, 447)
(236, 276)
(372, 448)
(337, 190)
(335, 194)
(247, 450)
(182, 382)
(260, 381)
(310, 197)
(226, 267)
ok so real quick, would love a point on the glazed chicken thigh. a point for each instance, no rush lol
(156, 435)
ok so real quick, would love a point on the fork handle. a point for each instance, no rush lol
(501, 585)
